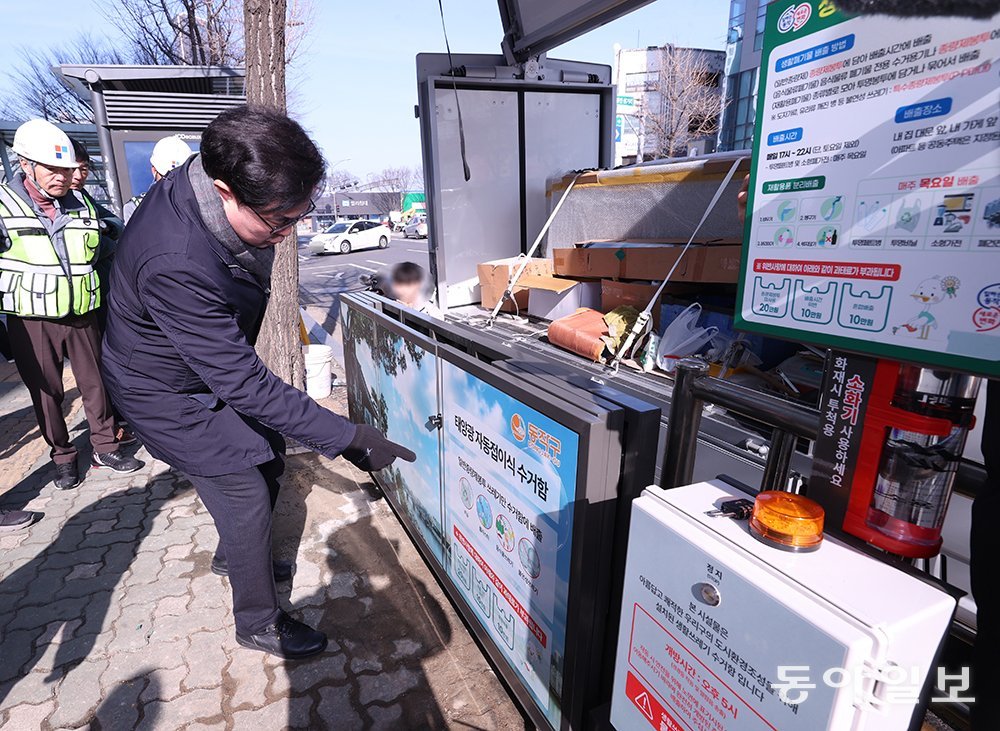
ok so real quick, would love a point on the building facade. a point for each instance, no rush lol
(669, 100)
(745, 39)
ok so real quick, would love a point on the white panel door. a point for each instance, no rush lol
(481, 216)
(562, 132)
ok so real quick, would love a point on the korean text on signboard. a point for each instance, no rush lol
(874, 217)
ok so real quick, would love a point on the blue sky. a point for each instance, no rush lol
(354, 87)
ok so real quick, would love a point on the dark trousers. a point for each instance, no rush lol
(40, 347)
(985, 543)
(241, 504)
(102, 324)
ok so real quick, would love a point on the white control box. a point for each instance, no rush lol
(720, 632)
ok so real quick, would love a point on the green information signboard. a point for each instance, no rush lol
(873, 223)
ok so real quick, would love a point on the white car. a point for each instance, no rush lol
(417, 228)
(344, 237)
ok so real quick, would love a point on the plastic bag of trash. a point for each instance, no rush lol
(683, 337)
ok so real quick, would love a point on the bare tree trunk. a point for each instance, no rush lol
(278, 346)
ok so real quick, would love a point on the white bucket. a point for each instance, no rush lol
(319, 370)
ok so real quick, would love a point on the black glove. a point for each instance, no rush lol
(370, 451)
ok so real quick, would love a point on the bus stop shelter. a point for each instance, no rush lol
(136, 106)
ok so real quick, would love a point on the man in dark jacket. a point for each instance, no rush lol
(192, 278)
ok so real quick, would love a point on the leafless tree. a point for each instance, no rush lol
(389, 186)
(682, 102)
(181, 32)
(418, 179)
(199, 32)
(338, 179)
(37, 92)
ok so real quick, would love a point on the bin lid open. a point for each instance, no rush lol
(532, 27)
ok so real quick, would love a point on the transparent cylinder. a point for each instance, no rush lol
(917, 470)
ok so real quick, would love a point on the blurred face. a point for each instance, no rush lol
(51, 180)
(80, 175)
(264, 227)
(408, 293)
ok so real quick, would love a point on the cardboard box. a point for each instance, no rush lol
(715, 264)
(551, 297)
(494, 276)
(588, 262)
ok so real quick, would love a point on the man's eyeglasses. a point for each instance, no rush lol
(287, 222)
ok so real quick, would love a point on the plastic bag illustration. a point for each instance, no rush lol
(908, 217)
(812, 304)
(864, 310)
(770, 299)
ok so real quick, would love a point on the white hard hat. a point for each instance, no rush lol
(169, 153)
(41, 141)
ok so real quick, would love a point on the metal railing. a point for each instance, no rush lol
(693, 387)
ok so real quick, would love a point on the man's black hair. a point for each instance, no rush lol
(80, 150)
(265, 158)
(407, 272)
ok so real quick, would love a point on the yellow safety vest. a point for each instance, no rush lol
(33, 282)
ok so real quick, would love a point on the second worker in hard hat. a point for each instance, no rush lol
(111, 229)
(50, 290)
(168, 153)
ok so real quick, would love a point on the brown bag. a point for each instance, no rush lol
(583, 333)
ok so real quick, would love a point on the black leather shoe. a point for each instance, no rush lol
(287, 638)
(67, 476)
(282, 570)
(117, 461)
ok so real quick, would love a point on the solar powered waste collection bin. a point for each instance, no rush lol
(512, 501)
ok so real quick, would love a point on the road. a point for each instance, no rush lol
(322, 278)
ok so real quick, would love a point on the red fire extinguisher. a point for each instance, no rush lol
(912, 443)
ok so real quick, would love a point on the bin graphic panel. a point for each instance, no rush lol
(510, 476)
(508, 501)
(392, 384)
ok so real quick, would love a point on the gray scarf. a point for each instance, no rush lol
(256, 260)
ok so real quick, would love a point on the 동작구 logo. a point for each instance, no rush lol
(518, 427)
(794, 17)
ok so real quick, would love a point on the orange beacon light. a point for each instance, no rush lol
(787, 521)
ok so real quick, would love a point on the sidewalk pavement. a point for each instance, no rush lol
(111, 620)
(20, 442)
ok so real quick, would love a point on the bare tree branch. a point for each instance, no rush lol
(389, 187)
(199, 32)
(37, 92)
(155, 32)
(337, 179)
(182, 32)
(683, 102)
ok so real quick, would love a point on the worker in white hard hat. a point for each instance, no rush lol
(50, 241)
(169, 153)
